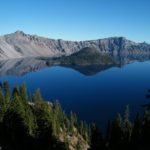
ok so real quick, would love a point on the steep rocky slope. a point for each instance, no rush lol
(21, 45)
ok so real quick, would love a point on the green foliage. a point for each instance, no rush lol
(37, 122)
(7, 92)
(79, 146)
(40, 124)
(2, 105)
(22, 121)
(1, 97)
(88, 56)
(23, 92)
(84, 130)
(15, 92)
(37, 97)
(73, 119)
(127, 126)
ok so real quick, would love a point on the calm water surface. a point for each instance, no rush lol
(94, 98)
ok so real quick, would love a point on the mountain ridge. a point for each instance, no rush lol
(22, 45)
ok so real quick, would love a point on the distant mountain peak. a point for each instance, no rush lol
(19, 32)
(123, 38)
(21, 45)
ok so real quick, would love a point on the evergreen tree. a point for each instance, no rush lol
(58, 117)
(72, 122)
(116, 132)
(127, 126)
(97, 142)
(23, 92)
(81, 129)
(37, 97)
(146, 127)
(14, 128)
(15, 92)
(85, 130)
(137, 131)
(7, 92)
(38, 125)
(1, 104)
(73, 119)
(1, 98)
(146, 123)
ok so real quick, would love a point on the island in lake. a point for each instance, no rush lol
(93, 81)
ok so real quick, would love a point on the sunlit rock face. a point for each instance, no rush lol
(21, 45)
(19, 67)
(87, 61)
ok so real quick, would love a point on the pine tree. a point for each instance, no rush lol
(23, 92)
(37, 97)
(72, 122)
(146, 127)
(1, 98)
(127, 126)
(13, 124)
(97, 142)
(15, 92)
(1, 104)
(24, 123)
(7, 92)
(73, 119)
(66, 141)
(81, 129)
(58, 117)
(116, 132)
(136, 137)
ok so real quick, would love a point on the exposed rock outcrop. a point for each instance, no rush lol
(21, 45)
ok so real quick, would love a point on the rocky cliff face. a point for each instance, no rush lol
(89, 65)
(21, 45)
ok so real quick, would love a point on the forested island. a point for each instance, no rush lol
(31, 122)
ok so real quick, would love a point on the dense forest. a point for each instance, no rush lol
(30, 122)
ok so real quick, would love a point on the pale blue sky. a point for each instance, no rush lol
(77, 19)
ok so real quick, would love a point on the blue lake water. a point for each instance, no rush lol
(96, 98)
